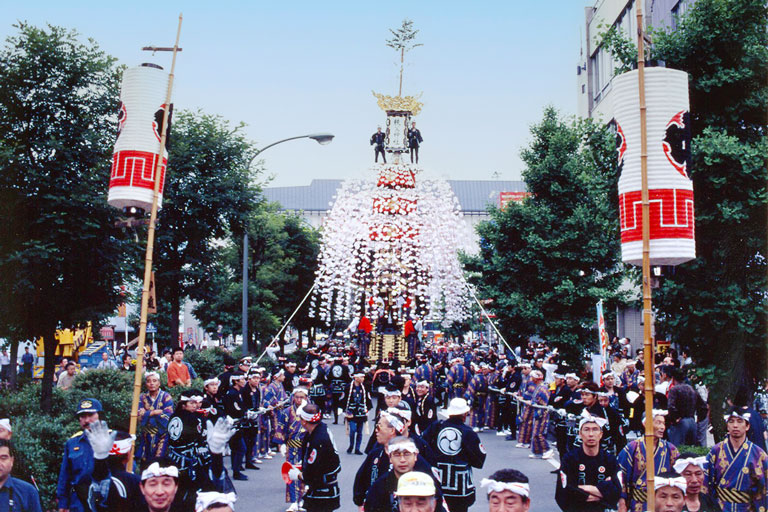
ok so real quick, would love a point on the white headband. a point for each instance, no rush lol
(571, 376)
(405, 446)
(657, 412)
(496, 486)
(213, 380)
(677, 481)
(397, 423)
(405, 413)
(6, 424)
(395, 392)
(151, 374)
(154, 470)
(423, 383)
(122, 446)
(206, 499)
(745, 416)
(537, 374)
(588, 418)
(681, 464)
(312, 418)
(196, 398)
(299, 389)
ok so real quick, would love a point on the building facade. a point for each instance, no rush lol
(314, 201)
(596, 66)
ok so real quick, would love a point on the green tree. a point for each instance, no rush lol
(282, 260)
(715, 305)
(208, 195)
(61, 259)
(548, 260)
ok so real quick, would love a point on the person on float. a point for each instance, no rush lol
(508, 491)
(378, 141)
(404, 457)
(691, 467)
(631, 461)
(414, 142)
(737, 469)
(457, 449)
(588, 478)
(320, 463)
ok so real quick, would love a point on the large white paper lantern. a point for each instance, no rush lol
(670, 189)
(134, 160)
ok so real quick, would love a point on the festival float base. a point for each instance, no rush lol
(384, 344)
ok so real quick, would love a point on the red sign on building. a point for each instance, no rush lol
(507, 197)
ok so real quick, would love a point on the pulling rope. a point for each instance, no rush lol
(277, 336)
(469, 287)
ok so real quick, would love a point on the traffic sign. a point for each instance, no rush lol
(151, 329)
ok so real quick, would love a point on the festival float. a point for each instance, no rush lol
(389, 249)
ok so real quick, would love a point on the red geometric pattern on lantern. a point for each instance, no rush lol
(389, 232)
(136, 169)
(396, 177)
(394, 205)
(671, 214)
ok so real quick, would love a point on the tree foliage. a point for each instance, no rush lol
(61, 259)
(282, 260)
(404, 38)
(548, 260)
(715, 305)
(208, 195)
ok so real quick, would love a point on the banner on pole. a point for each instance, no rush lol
(603, 335)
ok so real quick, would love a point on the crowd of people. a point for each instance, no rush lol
(427, 415)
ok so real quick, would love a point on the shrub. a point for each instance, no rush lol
(207, 363)
(696, 450)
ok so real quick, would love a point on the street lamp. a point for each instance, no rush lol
(320, 138)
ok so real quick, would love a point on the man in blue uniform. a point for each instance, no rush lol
(77, 464)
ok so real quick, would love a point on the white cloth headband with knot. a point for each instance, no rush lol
(496, 486)
(588, 418)
(677, 481)
(681, 464)
(405, 446)
(206, 499)
(154, 470)
(397, 423)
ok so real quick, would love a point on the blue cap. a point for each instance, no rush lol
(88, 405)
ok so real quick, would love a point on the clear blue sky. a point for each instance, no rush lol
(486, 70)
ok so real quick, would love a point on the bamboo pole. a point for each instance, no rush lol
(137, 378)
(648, 351)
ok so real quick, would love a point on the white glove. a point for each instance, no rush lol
(294, 474)
(283, 449)
(251, 415)
(217, 435)
(101, 439)
(561, 411)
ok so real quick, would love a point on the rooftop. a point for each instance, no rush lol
(473, 195)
